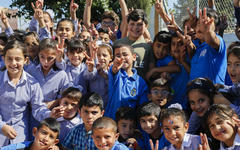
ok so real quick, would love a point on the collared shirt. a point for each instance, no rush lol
(9, 31)
(19, 146)
(125, 91)
(236, 144)
(67, 125)
(119, 146)
(190, 142)
(52, 84)
(79, 139)
(14, 108)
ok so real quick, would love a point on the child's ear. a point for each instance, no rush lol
(26, 60)
(34, 131)
(186, 126)
(116, 136)
(134, 57)
(149, 96)
(102, 113)
(56, 141)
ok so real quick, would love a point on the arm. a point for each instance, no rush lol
(8, 28)
(87, 14)
(124, 12)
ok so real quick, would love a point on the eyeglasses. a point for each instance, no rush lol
(105, 23)
(163, 93)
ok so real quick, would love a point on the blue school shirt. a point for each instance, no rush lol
(164, 61)
(79, 139)
(95, 81)
(236, 144)
(119, 146)
(125, 91)
(52, 84)
(18, 146)
(145, 144)
(43, 33)
(210, 63)
(14, 108)
(75, 74)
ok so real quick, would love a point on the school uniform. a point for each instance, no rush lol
(164, 61)
(14, 108)
(19, 146)
(236, 144)
(79, 139)
(119, 146)
(125, 91)
(43, 33)
(210, 63)
(9, 31)
(190, 142)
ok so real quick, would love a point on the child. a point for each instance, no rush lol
(18, 90)
(148, 115)
(46, 136)
(104, 36)
(65, 29)
(125, 87)
(69, 101)
(222, 122)
(126, 124)
(74, 66)
(105, 135)
(90, 109)
(97, 75)
(175, 126)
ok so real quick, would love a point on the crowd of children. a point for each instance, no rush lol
(107, 86)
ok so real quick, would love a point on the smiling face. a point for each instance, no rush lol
(149, 123)
(65, 30)
(126, 128)
(198, 102)
(104, 57)
(135, 29)
(234, 68)
(159, 95)
(47, 59)
(174, 130)
(44, 138)
(104, 138)
(160, 49)
(76, 57)
(32, 46)
(70, 107)
(48, 21)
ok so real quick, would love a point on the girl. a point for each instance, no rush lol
(223, 125)
(18, 89)
(97, 75)
(51, 79)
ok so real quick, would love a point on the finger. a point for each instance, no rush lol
(33, 6)
(185, 31)
(180, 35)
(151, 144)
(194, 11)
(189, 13)
(157, 1)
(200, 14)
(204, 13)
(200, 147)
(156, 146)
(72, 3)
(86, 55)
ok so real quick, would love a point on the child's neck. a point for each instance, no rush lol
(129, 72)
(230, 141)
(134, 38)
(45, 72)
(15, 78)
(156, 133)
(178, 146)
(34, 147)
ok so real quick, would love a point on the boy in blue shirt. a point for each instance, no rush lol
(105, 135)
(46, 136)
(126, 87)
(90, 109)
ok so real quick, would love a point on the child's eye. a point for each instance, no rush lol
(201, 100)
(237, 64)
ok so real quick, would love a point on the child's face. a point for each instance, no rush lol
(104, 57)
(44, 137)
(149, 123)
(65, 30)
(47, 58)
(109, 23)
(160, 49)
(127, 56)
(14, 61)
(198, 102)
(222, 129)
(159, 95)
(104, 138)
(85, 35)
(126, 128)
(89, 115)
(175, 44)
(174, 130)
(48, 21)
(70, 107)
(136, 29)
(104, 37)
(234, 68)
(32, 46)
(76, 57)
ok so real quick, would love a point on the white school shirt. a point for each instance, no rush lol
(190, 142)
(236, 144)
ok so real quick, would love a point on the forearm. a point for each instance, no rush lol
(186, 66)
(87, 16)
(212, 39)
(165, 17)
(124, 13)
(73, 16)
(169, 69)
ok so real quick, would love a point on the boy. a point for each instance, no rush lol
(105, 135)
(90, 109)
(175, 126)
(126, 88)
(104, 36)
(148, 115)
(69, 101)
(137, 21)
(46, 136)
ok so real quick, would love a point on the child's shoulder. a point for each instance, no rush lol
(21, 145)
(119, 146)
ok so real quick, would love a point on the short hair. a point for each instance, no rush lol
(15, 44)
(17, 35)
(47, 43)
(111, 15)
(4, 38)
(126, 113)
(104, 123)
(90, 100)
(75, 44)
(67, 20)
(101, 30)
(34, 34)
(235, 50)
(51, 123)
(120, 45)
(163, 36)
(137, 14)
(166, 113)
(161, 82)
(148, 109)
(72, 93)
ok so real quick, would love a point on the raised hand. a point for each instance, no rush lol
(206, 23)
(89, 2)
(204, 142)
(159, 8)
(4, 19)
(89, 62)
(192, 17)
(117, 64)
(237, 122)
(73, 6)
(9, 131)
(152, 145)
(172, 25)
(60, 49)
(93, 31)
(57, 112)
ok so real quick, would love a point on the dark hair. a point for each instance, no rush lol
(17, 35)
(72, 93)
(204, 86)
(235, 51)
(148, 109)
(16, 45)
(90, 100)
(51, 123)
(163, 37)
(137, 14)
(111, 15)
(126, 113)
(101, 30)
(104, 123)
(161, 82)
(67, 20)
(47, 43)
(232, 45)
(4, 38)
(166, 113)
(120, 45)
(75, 44)
(34, 34)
